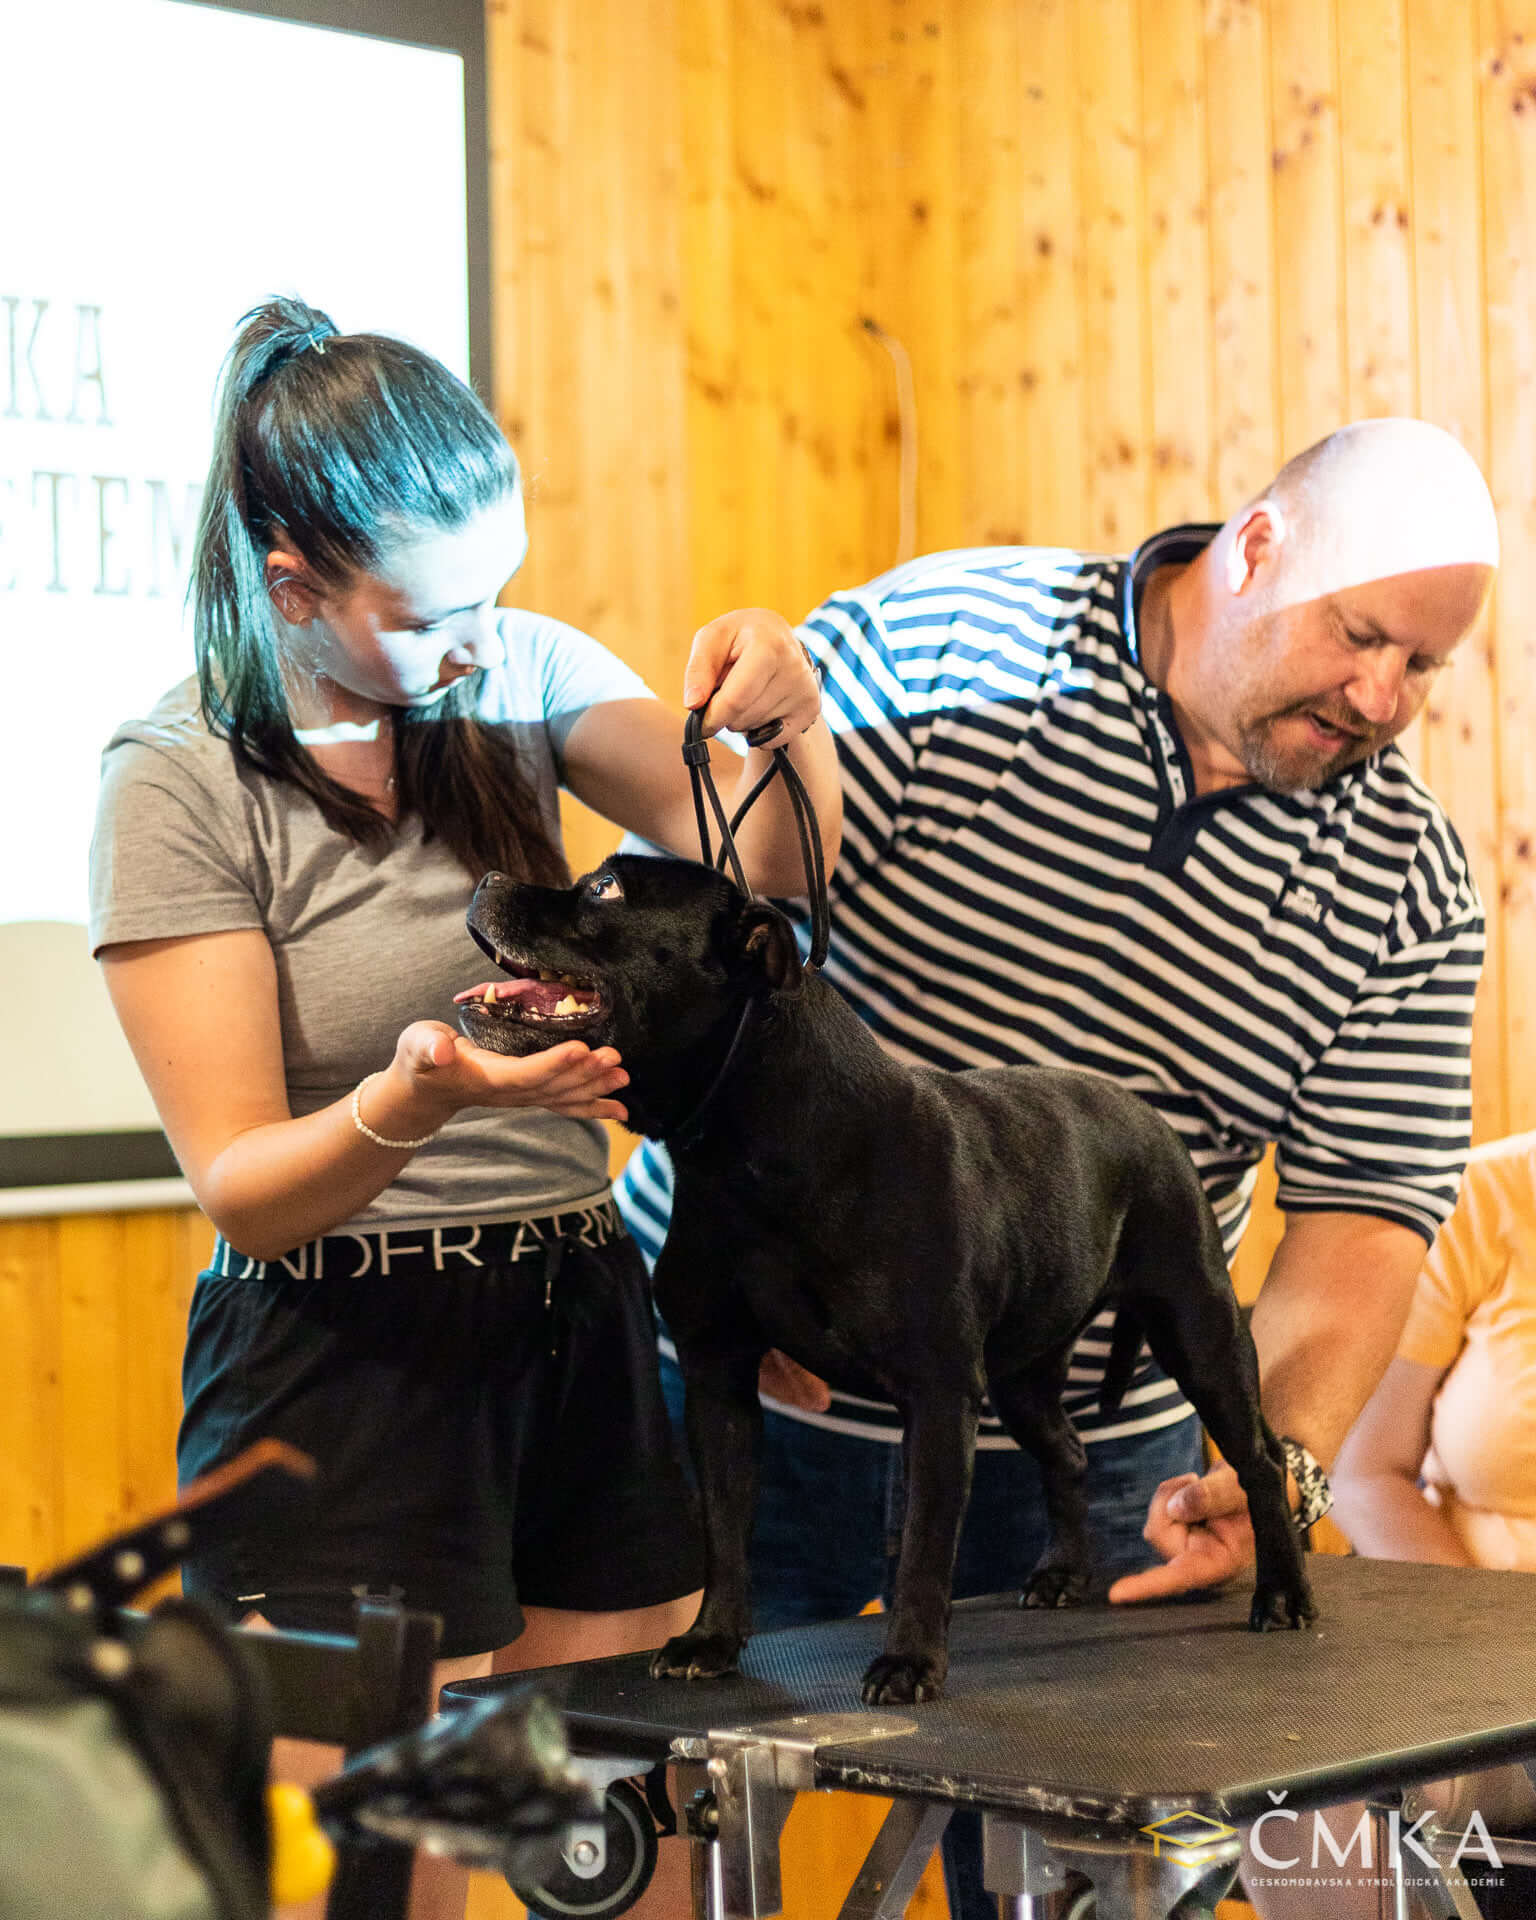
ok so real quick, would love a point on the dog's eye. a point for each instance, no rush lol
(605, 887)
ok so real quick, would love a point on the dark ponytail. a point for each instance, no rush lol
(330, 444)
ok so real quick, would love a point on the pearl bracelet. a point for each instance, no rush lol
(395, 1146)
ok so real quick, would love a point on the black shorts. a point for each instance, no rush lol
(486, 1433)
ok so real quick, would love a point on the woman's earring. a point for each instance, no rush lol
(285, 601)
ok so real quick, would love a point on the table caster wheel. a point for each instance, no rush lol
(630, 1833)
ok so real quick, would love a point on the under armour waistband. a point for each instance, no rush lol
(428, 1250)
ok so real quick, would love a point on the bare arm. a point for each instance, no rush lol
(1329, 1318)
(200, 1014)
(624, 757)
(1377, 1500)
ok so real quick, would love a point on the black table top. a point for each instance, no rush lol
(1119, 1714)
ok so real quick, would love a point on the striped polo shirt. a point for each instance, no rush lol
(1028, 876)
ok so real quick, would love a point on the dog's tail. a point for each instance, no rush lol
(1124, 1345)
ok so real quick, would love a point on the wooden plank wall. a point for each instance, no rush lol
(92, 1313)
(1139, 251)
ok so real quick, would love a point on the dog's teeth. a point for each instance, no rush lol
(545, 974)
(570, 1004)
(490, 995)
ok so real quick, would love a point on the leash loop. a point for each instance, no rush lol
(696, 758)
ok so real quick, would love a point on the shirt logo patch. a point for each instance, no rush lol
(1301, 903)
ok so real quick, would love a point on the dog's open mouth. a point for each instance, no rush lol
(533, 996)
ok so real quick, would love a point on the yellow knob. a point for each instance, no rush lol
(303, 1859)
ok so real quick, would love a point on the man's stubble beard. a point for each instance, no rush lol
(1278, 771)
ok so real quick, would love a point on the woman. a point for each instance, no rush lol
(419, 1277)
(1440, 1468)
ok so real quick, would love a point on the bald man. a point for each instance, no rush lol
(1144, 817)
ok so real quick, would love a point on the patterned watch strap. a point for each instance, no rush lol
(1312, 1485)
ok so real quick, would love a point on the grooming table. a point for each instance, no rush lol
(1126, 1744)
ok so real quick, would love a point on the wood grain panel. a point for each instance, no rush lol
(92, 1315)
(1461, 724)
(916, 146)
(1021, 326)
(1176, 212)
(1507, 59)
(1245, 440)
(1111, 285)
(32, 1445)
(1379, 311)
(1308, 229)
(1378, 219)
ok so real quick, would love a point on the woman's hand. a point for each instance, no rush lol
(266, 1179)
(437, 1071)
(748, 670)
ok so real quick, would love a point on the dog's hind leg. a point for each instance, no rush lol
(724, 1420)
(1028, 1402)
(1199, 1337)
(938, 1450)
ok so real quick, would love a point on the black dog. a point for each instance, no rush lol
(911, 1235)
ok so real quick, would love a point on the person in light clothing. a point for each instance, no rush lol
(420, 1278)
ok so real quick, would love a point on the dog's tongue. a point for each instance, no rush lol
(540, 996)
(520, 989)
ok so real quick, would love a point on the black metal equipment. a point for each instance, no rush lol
(134, 1746)
(588, 1881)
(1122, 1746)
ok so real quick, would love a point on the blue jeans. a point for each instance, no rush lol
(828, 1530)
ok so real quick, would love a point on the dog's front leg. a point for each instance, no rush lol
(724, 1422)
(938, 1448)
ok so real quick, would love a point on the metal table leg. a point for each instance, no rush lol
(1395, 1833)
(1391, 1902)
(894, 1864)
(734, 1833)
(739, 1812)
(708, 1880)
(735, 1811)
(1020, 1868)
(1133, 1879)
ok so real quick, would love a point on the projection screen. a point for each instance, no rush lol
(168, 164)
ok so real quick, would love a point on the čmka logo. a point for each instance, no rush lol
(1190, 1838)
(1400, 1841)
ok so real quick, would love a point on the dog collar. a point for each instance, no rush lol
(690, 1131)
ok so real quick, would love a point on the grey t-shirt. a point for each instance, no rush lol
(365, 942)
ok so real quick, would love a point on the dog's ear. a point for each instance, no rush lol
(765, 945)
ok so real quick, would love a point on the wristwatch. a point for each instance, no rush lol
(1315, 1494)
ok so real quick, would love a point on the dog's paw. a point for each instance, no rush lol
(1056, 1586)
(1282, 1606)
(696, 1656)
(897, 1679)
